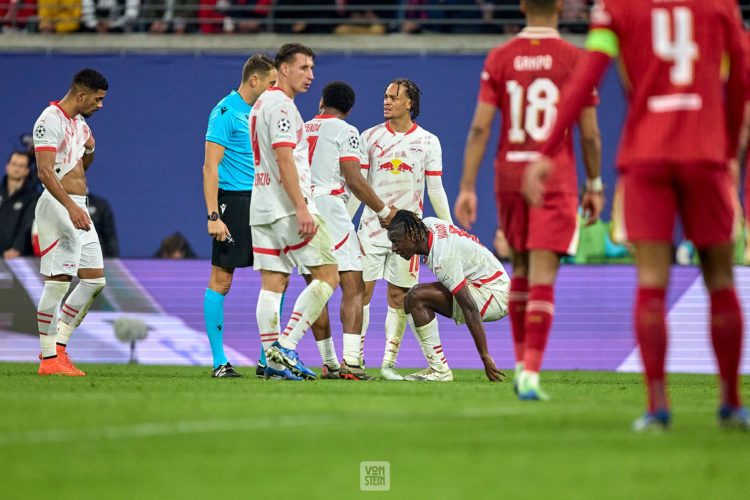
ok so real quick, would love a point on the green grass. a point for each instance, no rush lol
(173, 432)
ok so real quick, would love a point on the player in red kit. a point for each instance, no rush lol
(523, 79)
(680, 133)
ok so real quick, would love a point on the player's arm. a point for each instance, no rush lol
(212, 157)
(88, 152)
(45, 164)
(591, 150)
(476, 328)
(359, 187)
(465, 208)
(603, 45)
(433, 172)
(290, 183)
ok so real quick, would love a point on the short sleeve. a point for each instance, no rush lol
(48, 133)
(488, 91)
(434, 161)
(602, 35)
(364, 155)
(348, 145)
(282, 131)
(220, 126)
(449, 272)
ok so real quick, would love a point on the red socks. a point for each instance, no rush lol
(539, 312)
(651, 331)
(519, 294)
(726, 336)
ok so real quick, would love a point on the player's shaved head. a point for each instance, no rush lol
(338, 95)
(259, 64)
(412, 92)
(88, 79)
(541, 7)
(288, 51)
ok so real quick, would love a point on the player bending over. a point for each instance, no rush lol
(473, 288)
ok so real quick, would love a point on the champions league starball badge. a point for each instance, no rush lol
(284, 125)
(354, 142)
(40, 131)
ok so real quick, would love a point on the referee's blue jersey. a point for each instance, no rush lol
(228, 127)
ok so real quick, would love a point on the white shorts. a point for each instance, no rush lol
(492, 302)
(382, 263)
(65, 249)
(343, 235)
(278, 247)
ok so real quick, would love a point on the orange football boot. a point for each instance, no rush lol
(54, 366)
(65, 361)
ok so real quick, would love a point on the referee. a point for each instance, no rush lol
(228, 172)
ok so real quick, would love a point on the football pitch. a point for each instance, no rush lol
(127, 431)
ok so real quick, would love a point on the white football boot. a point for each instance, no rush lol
(432, 375)
(387, 372)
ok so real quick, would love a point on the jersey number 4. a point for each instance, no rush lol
(535, 115)
(254, 142)
(680, 49)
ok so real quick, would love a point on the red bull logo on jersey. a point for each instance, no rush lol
(396, 167)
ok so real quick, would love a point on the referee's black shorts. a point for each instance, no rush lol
(234, 210)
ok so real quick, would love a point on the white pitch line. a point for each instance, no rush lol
(154, 429)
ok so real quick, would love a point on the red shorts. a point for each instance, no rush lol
(552, 226)
(700, 193)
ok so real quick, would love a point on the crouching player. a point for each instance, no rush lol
(473, 288)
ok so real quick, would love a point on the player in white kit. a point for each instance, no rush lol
(473, 288)
(400, 158)
(287, 230)
(335, 166)
(64, 149)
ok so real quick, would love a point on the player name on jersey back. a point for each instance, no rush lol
(397, 164)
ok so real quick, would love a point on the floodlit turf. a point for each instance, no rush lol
(172, 432)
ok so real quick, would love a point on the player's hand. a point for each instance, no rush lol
(79, 218)
(384, 222)
(306, 223)
(491, 370)
(218, 230)
(534, 178)
(90, 142)
(734, 173)
(592, 204)
(11, 253)
(465, 208)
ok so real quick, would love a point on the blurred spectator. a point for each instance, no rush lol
(299, 20)
(14, 14)
(250, 16)
(364, 19)
(59, 16)
(214, 16)
(175, 246)
(170, 16)
(104, 222)
(18, 197)
(441, 16)
(574, 16)
(109, 16)
(510, 14)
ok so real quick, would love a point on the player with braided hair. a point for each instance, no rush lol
(399, 158)
(457, 259)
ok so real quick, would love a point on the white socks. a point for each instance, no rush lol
(47, 315)
(395, 326)
(267, 317)
(352, 349)
(429, 340)
(307, 308)
(76, 306)
(328, 353)
(365, 325)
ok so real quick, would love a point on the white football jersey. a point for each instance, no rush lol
(397, 164)
(457, 257)
(275, 121)
(330, 141)
(55, 131)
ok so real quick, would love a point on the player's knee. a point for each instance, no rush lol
(411, 300)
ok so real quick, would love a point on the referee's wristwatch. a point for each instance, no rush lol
(213, 216)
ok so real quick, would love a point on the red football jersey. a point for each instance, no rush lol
(523, 78)
(673, 55)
